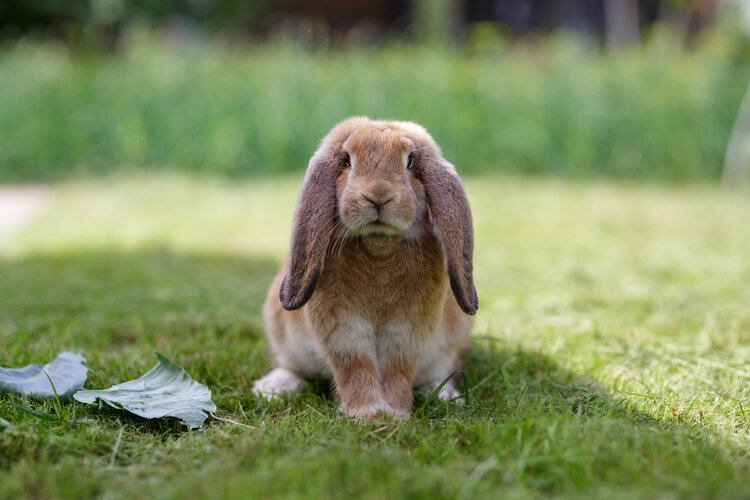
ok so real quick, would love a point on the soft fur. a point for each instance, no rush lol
(382, 232)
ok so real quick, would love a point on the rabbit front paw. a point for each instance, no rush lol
(374, 411)
(278, 382)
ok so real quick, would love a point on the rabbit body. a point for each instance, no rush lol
(382, 235)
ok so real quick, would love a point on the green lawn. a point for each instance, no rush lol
(611, 351)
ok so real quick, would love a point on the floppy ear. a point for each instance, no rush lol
(312, 226)
(452, 221)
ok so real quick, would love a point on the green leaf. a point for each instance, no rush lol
(60, 378)
(166, 390)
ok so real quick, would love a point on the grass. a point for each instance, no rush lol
(610, 354)
(558, 108)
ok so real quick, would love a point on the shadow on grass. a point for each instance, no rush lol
(117, 308)
(560, 429)
(499, 379)
(550, 427)
(115, 292)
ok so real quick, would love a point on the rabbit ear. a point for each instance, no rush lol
(453, 225)
(312, 226)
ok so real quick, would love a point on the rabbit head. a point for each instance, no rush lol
(379, 179)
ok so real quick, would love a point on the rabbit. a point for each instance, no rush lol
(382, 233)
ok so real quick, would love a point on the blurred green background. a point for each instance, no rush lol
(249, 88)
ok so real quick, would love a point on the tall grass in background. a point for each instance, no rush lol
(556, 108)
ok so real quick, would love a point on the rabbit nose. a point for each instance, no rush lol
(377, 204)
(379, 194)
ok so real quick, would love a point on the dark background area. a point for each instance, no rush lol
(70, 20)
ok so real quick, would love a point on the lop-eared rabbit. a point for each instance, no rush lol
(382, 233)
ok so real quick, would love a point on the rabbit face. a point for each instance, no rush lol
(375, 179)
(377, 192)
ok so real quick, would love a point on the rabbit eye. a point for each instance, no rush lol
(347, 161)
(410, 161)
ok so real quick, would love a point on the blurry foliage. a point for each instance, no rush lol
(95, 24)
(556, 107)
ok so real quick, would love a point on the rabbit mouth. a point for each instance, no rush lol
(377, 228)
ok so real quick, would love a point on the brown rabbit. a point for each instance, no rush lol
(381, 227)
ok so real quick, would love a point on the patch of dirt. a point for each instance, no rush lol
(18, 204)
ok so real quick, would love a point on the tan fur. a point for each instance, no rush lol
(376, 250)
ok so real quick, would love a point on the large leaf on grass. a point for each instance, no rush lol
(67, 373)
(166, 390)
